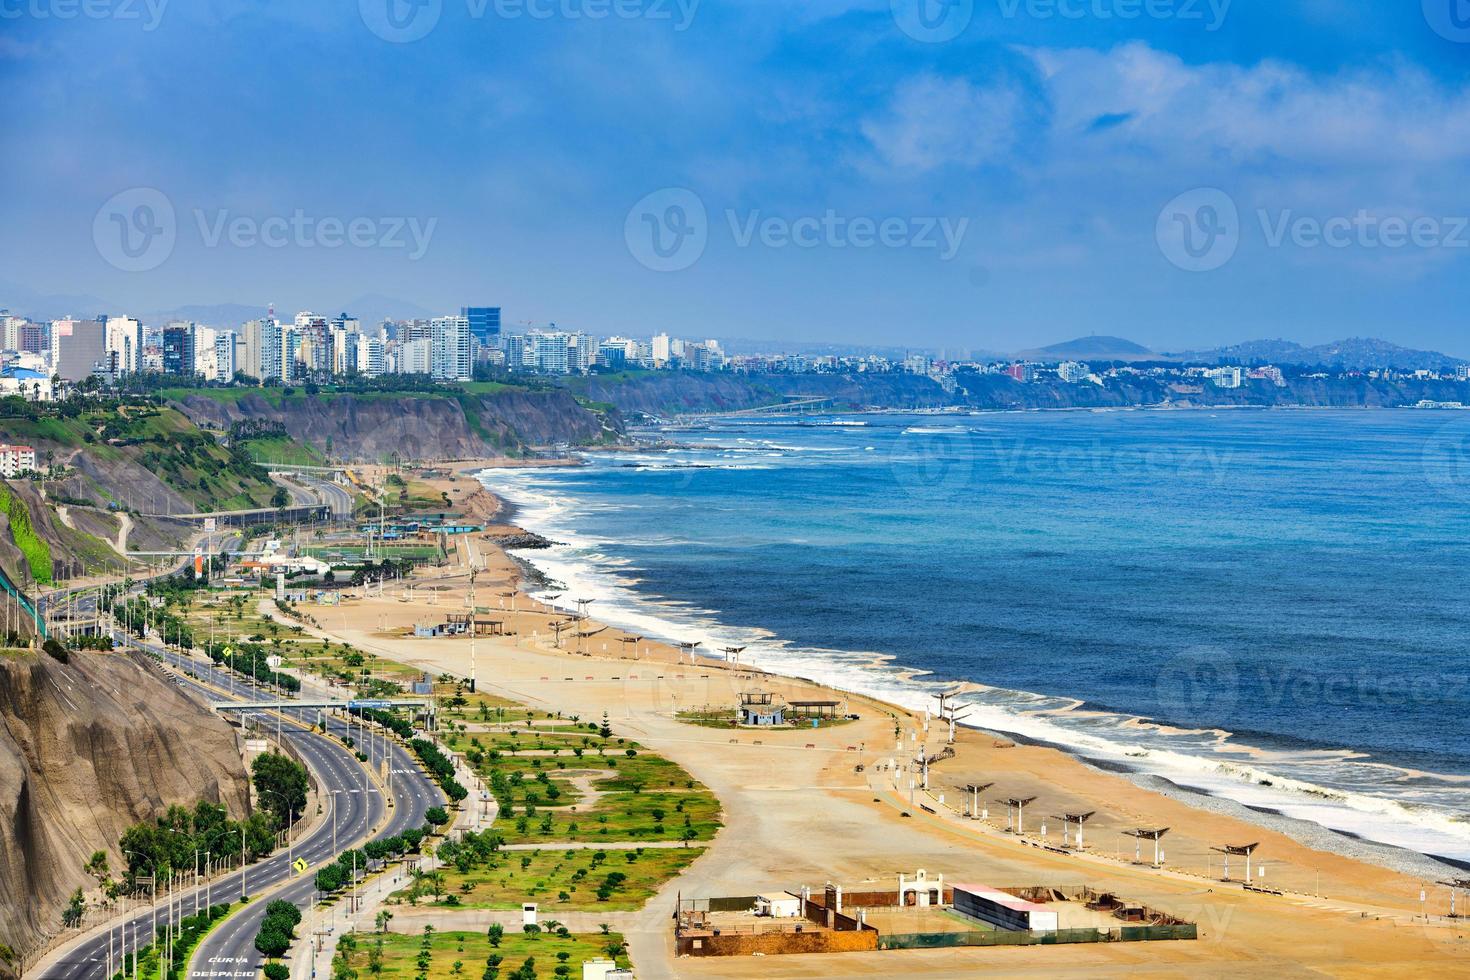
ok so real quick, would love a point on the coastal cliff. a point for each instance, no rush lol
(87, 749)
(665, 393)
(453, 425)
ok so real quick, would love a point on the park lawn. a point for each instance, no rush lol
(282, 451)
(616, 817)
(400, 953)
(546, 875)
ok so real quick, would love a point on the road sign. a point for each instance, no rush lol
(299, 864)
(273, 662)
(367, 704)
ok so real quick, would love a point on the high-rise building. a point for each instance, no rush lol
(415, 357)
(259, 353)
(450, 345)
(124, 345)
(368, 356)
(78, 348)
(226, 361)
(663, 351)
(178, 348)
(484, 323)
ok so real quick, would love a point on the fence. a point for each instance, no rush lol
(1123, 934)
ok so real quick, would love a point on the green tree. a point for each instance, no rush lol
(495, 934)
(281, 783)
(75, 908)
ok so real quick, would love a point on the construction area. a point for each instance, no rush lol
(920, 913)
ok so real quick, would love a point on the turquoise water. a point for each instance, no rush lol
(1279, 595)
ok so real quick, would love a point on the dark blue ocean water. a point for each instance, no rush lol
(1297, 580)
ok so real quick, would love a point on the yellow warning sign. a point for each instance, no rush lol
(299, 864)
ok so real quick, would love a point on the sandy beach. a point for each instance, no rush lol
(799, 811)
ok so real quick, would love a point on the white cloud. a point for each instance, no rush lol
(1387, 115)
(933, 122)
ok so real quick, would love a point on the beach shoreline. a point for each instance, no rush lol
(781, 789)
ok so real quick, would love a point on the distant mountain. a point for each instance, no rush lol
(1095, 347)
(1353, 354)
(227, 315)
(22, 301)
(375, 307)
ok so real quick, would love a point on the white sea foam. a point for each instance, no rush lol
(1333, 789)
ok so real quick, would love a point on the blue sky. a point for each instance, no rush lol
(1064, 154)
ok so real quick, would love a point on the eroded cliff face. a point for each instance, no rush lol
(368, 427)
(87, 749)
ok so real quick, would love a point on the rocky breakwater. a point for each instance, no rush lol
(88, 748)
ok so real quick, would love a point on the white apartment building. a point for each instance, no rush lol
(15, 460)
(368, 355)
(451, 358)
(1072, 371)
(124, 344)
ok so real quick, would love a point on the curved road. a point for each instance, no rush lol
(358, 805)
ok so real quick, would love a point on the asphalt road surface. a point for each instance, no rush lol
(229, 951)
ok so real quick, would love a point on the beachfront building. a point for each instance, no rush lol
(758, 708)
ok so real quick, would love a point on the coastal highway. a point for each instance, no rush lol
(358, 805)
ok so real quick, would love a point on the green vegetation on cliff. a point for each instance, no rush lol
(37, 552)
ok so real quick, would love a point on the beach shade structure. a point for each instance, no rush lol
(1019, 803)
(688, 648)
(1240, 850)
(582, 605)
(732, 654)
(557, 627)
(975, 789)
(948, 712)
(626, 640)
(1456, 885)
(1067, 820)
(1147, 833)
(511, 595)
